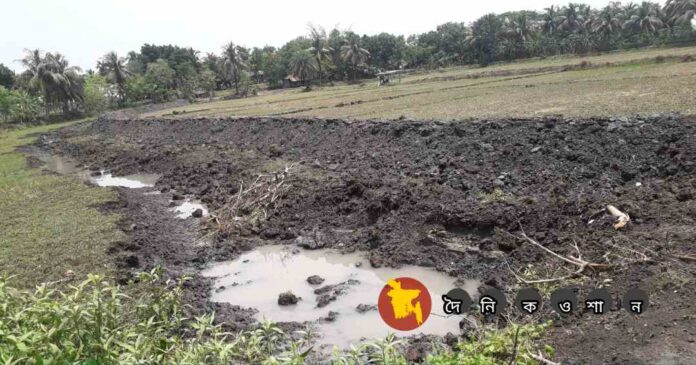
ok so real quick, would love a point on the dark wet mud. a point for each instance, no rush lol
(443, 195)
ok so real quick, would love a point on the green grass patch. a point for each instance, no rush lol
(49, 223)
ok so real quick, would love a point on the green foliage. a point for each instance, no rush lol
(304, 65)
(7, 77)
(113, 68)
(96, 322)
(137, 89)
(96, 95)
(186, 81)
(207, 81)
(18, 106)
(498, 347)
(383, 352)
(174, 56)
(234, 63)
(159, 79)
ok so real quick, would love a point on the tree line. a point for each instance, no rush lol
(50, 86)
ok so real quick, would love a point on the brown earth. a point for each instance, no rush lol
(437, 194)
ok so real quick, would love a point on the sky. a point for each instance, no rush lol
(84, 30)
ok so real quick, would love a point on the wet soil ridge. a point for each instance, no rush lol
(438, 194)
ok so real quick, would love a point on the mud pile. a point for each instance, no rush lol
(444, 195)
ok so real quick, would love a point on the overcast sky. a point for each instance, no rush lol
(84, 30)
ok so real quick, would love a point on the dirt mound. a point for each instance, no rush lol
(446, 194)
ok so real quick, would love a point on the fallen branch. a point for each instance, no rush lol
(686, 257)
(574, 274)
(577, 261)
(542, 360)
(251, 203)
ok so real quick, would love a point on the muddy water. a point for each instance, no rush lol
(66, 166)
(256, 278)
(187, 208)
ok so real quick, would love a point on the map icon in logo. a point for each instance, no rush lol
(404, 304)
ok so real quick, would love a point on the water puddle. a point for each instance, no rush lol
(187, 208)
(66, 166)
(130, 181)
(256, 279)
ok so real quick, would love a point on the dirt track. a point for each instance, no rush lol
(441, 195)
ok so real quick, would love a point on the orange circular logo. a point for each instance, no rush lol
(404, 304)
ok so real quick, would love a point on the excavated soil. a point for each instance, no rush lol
(446, 195)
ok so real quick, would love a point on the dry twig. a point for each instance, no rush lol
(577, 261)
(542, 360)
(252, 203)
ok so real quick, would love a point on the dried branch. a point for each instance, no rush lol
(542, 360)
(252, 203)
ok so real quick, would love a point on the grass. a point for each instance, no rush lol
(49, 223)
(620, 83)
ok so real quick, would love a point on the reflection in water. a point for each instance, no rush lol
(66, 166)
(188, 207)
(256, 278)
(130, 181)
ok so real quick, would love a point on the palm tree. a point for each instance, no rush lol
(233, 64)
(569, 21)
(607, 24)
(550, 23)
(517, 29)
(113, 68)
(51, 75)
(644, 19)
(353, 53)
(304, 65)
(319, 50)
(680, 11)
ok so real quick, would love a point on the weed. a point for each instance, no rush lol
(517, 344)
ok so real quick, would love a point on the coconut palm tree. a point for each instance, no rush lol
(680, 11)
(353, 53)
(51, 75)
(304, 65)
(320, 49)
(569, 20)
(607, 23)
(550, 23)
(233, 64)
(645, 19)
(517, 29)
(114, 69)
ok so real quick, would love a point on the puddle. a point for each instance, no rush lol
(256, 278)
(130, 181)
(188, 207)
(66, 166)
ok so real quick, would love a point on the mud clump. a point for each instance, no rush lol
(287, 298)
(330, 293)
(315, 280)
(362, 308)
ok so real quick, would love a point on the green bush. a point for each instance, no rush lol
(96, 323)
(498, 347)
(96, 94)
(18, 106)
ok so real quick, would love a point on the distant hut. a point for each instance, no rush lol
(291, 81)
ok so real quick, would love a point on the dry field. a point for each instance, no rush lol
(624, 83)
